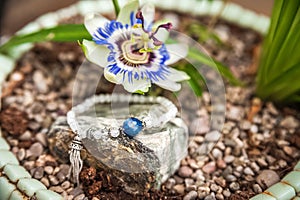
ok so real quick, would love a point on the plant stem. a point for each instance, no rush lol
(116, 6)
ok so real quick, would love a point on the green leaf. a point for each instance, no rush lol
(61, 33)
(279, 69)
(116, 6)
(225, 72)
(196, 81)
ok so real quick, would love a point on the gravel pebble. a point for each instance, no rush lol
(234, 186)
(21, 154)
(200, 126)
(221, 164)
(209, 167)
(53, 180)
(49, 170)
(45, 181)
(179, 188)
(60, 176)
(220, 181)
(191, 195)
(210, 197)
(257, 189)
(245, 125)
(226, 193)
(170, 183)
(267, 178)
(248, 171)
(214, 187)
(231, 178)
(219, 196)
(65, 185)
(41, 138)
(235, 113)
(57, 189)
(80, 197)
(229, 158)
(217, 153)
(289, 122)
(35, 150)
(185, 171)
(39, 173)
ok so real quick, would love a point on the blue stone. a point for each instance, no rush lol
(132, 126)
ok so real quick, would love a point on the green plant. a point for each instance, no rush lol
(279, 70)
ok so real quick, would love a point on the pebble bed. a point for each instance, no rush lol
(259, 143)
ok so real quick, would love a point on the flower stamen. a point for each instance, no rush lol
(151, 35)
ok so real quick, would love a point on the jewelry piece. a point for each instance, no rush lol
(157, 116)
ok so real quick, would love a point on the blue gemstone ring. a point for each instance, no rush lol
(132, 126)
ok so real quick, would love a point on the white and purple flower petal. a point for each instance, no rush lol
(131, 51)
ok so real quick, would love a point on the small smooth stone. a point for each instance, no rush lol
(213, 136)
(293, 179)
(179, 188)
(219, 196)
(58, 189)
(209, 167)
(221, 164)
(15, 172)
(288, 150)
(80, 197)
(192, 195)
(3, 144)
(214, 187)
(48, 170)
(267, 178)
(16, 195)
(210, 197)
(229, 158)
(7, 157)
(248, 171)
(29, 186)
(235, 113)
(231, 178)
(41, 138)
(21, 154)
(289, 122)
(45, 181)
(60, 176)
(48, 195)
(185, 171)
(257, 188)
(35, 150)
(66, 185)
(217, 153)
(234, 186)
(226, 193)
(132, 126)
(53, 180)
(282, 191)
(220, 181)
(39, 173)
(6, 188)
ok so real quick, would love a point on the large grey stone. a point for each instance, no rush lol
(141, 163)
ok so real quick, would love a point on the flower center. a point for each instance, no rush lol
(131, 52)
